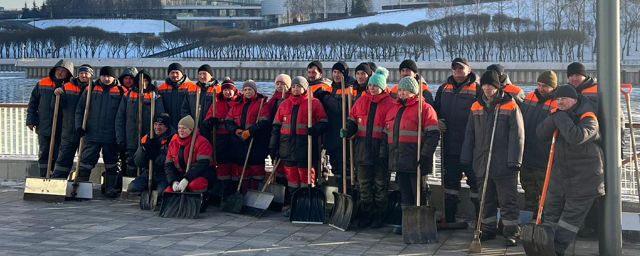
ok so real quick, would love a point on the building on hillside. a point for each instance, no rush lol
(227, 14)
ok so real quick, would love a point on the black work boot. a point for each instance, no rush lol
(451, 207)
(110, 185)
(365, 221)
(84, 176)
(378, 220)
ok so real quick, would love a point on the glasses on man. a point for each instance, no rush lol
(455, 67)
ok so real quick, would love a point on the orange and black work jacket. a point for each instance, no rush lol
(535, 109)
(332, 103)
(178, 155)
(223, 136)
(289, 132)
(244, 116)
(127, 117)
(101, 122)
(141, 159)
(589, 89)
(366, 121)
(322, 84)
(426, 92)
(68, 103)
(453, 104)
(42, 102)
(401, 136)
(515, 91)
(206, 98)
(577, 161)
(508, 142)
(172, 96)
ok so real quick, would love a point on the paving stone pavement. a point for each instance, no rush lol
(114, 227)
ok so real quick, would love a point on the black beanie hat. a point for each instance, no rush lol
(373, 66)
(498, 69)
(490, 77)
(576, 68)
(317, 64)
(175, 66)
(566, 90)
(108, 71)
(410, 64)
(163, 118)
(342, 67)
(207, 68)
(364, 66)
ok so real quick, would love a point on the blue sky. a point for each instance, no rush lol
(18, 4)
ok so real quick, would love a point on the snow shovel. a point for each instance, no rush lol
(476, 245)
(355, 194)
(343, 205)
(47, 189)
(308, 206)
(419, 222)
(633, 138)
(234, 202)
(539, 239)
(443, 225)
(77, 189)
(256, 202)
(184, 205)
(149, 197)
(126, 180)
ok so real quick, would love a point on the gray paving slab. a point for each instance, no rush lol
(113, 227)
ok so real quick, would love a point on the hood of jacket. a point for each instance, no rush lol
(128, 71)
(66, 64)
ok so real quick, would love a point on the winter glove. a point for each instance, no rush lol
(311, 131)
(320, 94)
(152, 147)
(210, 123)
(182, 186)
(176, 186)
(245, 134)
(442, 125)
(122, 146)
(344, 133)
(273, 153)
(426, 163)
(238, 131)
(80, 132)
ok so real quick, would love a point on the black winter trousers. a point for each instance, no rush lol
(140, 183)
(566, 216)
(502, 192)
(43, 152)
(373, 182)
(64, 163)
(91, 153)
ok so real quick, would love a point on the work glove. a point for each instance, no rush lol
(273, 153)
(176, 186)
(311, 131)
(320, 94)
(122, 146)
(182, 186)
(344, 133)
(442, 125)
(210, 123)
(245, 134)
(152, 147)
(80, 132)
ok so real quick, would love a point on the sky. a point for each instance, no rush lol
(18, 4)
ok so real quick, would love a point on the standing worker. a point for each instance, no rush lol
(366, 122)
(506, 85)
(100, 134)
(506, 139)
(173, 91)
(576, 175)
(453, 105)
(410, 68)
(40, 110)
(537, 106)
(208, 86)
(69, 96)
(283, 91)
(401, 136)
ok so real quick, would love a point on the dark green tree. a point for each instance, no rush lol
(359, 7)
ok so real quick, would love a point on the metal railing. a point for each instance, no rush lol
(15, 137)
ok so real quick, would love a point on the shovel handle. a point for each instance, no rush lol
(53, 136)
(85, 117)
(213, 130)
(152, 112)
(246, 159)
(625, 89)
(543, 196)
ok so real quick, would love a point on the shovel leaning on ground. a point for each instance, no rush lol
(149, 197)
(538, 239)
(47, 189)
(476, 245)
(443, 225)
(234, 202)
(308, 205)
(77, 189)
(256, 202)
(419, 222)
(184, 205)
(353, 191)
(126, 180)
(633, 138)
(343, 205)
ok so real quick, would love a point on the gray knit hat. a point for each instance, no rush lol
(409, 84)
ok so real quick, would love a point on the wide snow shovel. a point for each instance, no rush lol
(184, 205)
(443, 225)
(419, 222)
(308, 205)
(256, 202)
(476, 245)
(343, 207)
(234, 202)
(47, 189)
(77, 189)
(538, 239)
(149, 197)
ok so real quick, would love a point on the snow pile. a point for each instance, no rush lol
(125, 26)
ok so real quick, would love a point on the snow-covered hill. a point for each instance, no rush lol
(117, 25)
